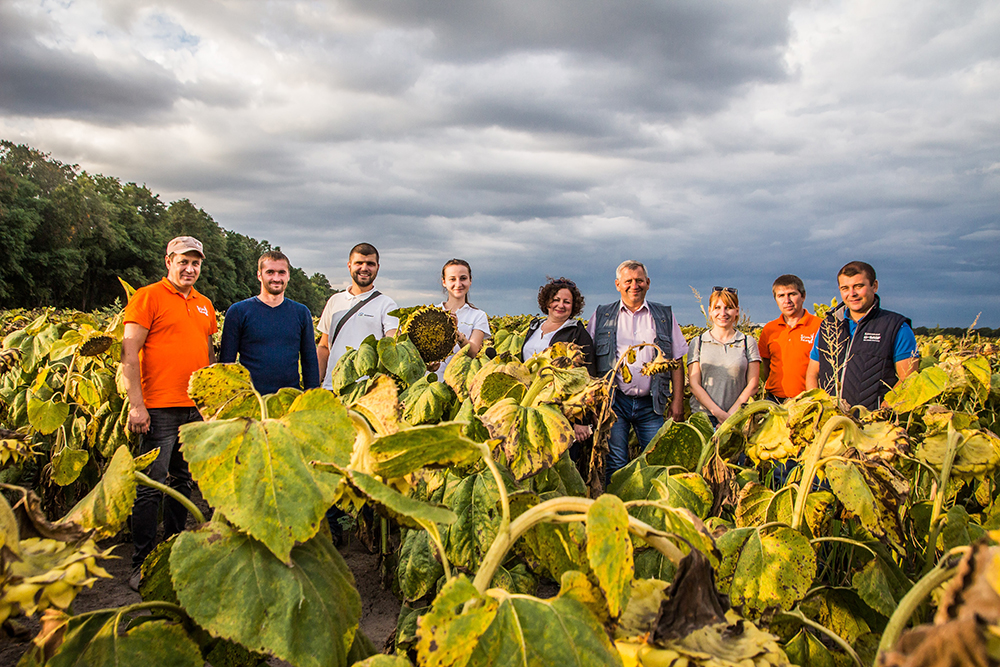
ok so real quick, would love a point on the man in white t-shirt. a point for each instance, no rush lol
(371, 318)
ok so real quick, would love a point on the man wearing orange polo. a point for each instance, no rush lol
(168, 336)
(785, 343)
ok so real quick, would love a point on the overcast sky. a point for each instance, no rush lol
(720, 143)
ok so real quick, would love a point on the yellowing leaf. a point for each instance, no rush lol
(259, 474)
(609, 550)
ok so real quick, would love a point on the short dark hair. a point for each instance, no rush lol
(788, 280)
(273, 256)
(364, 249)
(856, 267)
(548, 291)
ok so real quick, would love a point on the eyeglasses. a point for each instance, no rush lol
(718, 288)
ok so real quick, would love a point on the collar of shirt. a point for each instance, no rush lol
(622, 306)
(170, 286)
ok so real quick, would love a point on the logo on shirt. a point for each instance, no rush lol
(362, 313)
(872, 337)
(807, 339)
(203, 310)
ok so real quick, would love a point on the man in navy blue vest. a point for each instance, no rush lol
(863, 354)
(641, 402)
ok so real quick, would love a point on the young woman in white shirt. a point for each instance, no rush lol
(473, 323)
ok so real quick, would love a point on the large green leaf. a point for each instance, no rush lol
(260, 473)
(676, 444)
(234, 587)
(917, 389)
(765, 569)
(609, 550)
(399, 357)
(475, 500)
(109, 504)
(95, 640)
(881, 585)
(533, 438)
(414, 448)
(70, 458)
(46, 416)
(426, 402)
(224, 391)
(418, 569)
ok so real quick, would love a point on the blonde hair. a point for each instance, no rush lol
(728, 298)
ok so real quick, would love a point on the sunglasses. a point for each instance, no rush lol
(718, 288)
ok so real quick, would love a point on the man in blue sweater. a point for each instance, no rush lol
(272, 335)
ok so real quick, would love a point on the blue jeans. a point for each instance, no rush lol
(169, 468)
(635, 412)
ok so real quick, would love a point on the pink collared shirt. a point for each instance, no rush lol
(633, 329)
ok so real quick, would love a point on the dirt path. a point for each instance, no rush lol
(379, 608)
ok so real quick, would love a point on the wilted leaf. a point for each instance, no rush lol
(224, 391)
(609, 550)
(280, 608)
(840, 610)
(399, 357)
(541, 633)
(805, 650)
(866, 493)
(109, 504)
(426, 402)
(260, 475)
(421, 446)
(760, 570)
(578, 586)
(676, 444)
(533, 437)
(451, 630)
(406, 511)
(552, 548)
(380, 405)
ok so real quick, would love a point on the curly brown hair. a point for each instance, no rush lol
(548, 291)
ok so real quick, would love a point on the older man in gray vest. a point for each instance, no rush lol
(640, 403)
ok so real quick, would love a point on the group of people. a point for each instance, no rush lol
(858, 352)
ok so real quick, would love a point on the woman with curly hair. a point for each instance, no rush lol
(561, 300)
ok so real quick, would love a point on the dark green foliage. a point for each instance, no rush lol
(69, 235)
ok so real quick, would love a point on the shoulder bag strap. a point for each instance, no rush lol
(349, 314)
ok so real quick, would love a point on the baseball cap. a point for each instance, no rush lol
(183, 244)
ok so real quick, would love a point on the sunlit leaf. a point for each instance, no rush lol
(761, 569)
(224, 391)
(609, 550)
(260, 474)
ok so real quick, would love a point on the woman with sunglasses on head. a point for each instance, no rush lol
(473, 323)
(723, 363)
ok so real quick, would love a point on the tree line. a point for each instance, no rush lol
(68, 236)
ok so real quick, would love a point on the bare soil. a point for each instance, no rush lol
(379, 607)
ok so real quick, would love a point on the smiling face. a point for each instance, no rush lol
(183, 270)
(273, 276)
(632, 284)
(858, 293)
(364, 270)
(789, 300)
(457, 281)
(724, 314)
(561, 306)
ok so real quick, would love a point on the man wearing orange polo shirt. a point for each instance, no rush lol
(785, 343)
(168, 336)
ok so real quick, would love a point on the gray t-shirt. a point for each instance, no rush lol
(723, 367)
